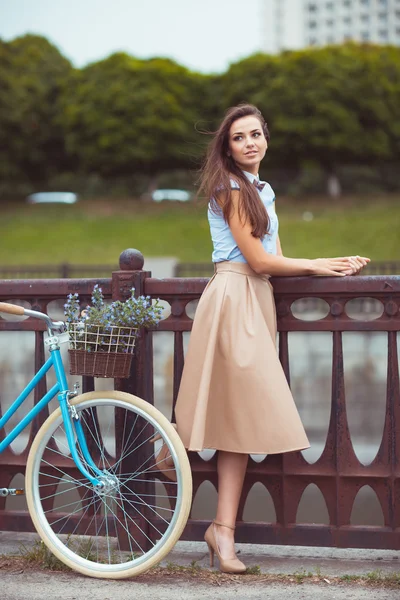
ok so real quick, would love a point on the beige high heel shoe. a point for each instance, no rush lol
(163, 461)
(231, 565)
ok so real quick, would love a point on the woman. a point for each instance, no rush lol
(233, 395)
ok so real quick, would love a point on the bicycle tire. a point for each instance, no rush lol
(108, 552)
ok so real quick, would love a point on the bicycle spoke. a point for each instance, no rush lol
(132, 450)
(88, 484)
(132, 503)
(64, 506)
(71, 514)
(135, 523)
(134, 478)
(57, 493)
(147, 495)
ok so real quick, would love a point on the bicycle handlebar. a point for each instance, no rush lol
(12, 309)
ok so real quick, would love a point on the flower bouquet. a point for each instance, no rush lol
(102, 337)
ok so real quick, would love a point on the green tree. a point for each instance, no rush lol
(124, 115)
(32, 73)
(8, 121)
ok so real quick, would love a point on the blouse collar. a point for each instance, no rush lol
(251, 177)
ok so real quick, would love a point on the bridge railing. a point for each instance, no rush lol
(337, 473)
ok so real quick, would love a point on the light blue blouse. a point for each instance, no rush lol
(225, 247)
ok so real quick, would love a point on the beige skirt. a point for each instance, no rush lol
(234, 395)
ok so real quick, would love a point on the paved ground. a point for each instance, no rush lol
(17, 582)
(41, 586)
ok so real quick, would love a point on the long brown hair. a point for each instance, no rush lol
(219, 169)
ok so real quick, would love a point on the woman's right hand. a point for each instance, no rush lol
(333, 267)
(358, 263)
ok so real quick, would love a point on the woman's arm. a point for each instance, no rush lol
(263, 263)
(357, 262)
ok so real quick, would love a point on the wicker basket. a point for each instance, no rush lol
(96, 351)
(99, 364)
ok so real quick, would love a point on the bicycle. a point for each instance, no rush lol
(100, 496)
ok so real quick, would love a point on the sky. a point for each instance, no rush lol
(203, 35)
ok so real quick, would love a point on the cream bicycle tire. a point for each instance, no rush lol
(54, 541)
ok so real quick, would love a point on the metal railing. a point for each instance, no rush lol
(72, 271)
(338, 473)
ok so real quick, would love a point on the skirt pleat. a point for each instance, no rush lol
(233, 394)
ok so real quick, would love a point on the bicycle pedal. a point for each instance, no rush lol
(11, 492)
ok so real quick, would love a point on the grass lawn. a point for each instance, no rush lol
(92, 232)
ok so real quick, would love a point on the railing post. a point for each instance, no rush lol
(65, 271)
(131, 275)
(140, 383)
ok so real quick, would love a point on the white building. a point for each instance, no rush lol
(294, 24)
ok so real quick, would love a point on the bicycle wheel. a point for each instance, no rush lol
(135, 520)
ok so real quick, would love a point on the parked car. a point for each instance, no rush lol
(179, 195)
(48, 197)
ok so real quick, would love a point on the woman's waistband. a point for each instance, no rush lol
(237, 267)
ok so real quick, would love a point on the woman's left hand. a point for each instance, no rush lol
(357, 264)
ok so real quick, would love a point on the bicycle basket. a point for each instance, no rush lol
(101, 351)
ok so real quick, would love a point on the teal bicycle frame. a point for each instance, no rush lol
(68, 411)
